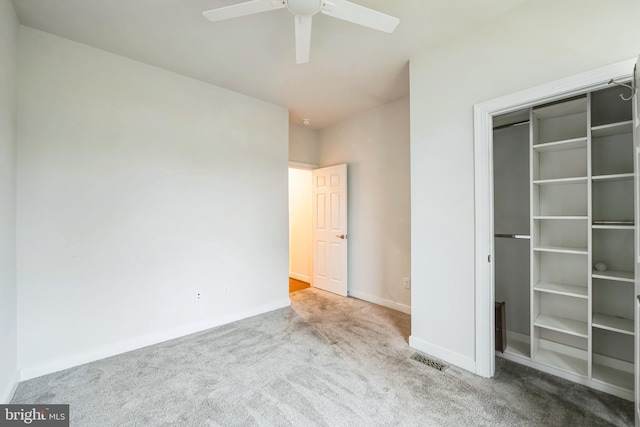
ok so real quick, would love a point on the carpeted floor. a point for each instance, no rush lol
(325, 361)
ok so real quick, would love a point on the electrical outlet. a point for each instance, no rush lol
(406, 282)
(197, 297)
(226, 291)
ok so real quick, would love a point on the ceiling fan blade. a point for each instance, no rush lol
(242, 9)
(303, 38)
(360, 15)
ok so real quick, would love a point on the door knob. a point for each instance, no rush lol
(341, 236)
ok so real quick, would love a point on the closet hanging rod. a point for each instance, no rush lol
(524, 122)
(512, 236)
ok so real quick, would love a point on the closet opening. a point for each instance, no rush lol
(563, 222)
(484, 113)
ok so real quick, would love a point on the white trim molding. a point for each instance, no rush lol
(380, 301)
(483, 143)
(8, 393)
(443, 354)
(299, 165)
(300, 277)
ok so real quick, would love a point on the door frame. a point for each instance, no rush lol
(636, 159)
(305, 166)
(483, 161)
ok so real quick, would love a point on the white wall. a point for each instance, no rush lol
(300, 207)
(8, 299)
(303, 144)
(375, 144)
(539, 42)
(138, 187)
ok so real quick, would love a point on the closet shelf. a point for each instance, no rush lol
(612, 129)
(561, 250)
(562, 109)
(557, 181)
(567, 144)
(620, 276)
(613, 222)
(611, 323)
(560, 324)
(542, 217)
(518, 348)
(612, 376)
(560, 289)
(615, 177)
(613, 227)
(562, 361)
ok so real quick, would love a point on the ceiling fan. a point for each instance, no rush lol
(304, 11)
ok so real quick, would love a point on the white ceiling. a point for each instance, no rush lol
(352, 68)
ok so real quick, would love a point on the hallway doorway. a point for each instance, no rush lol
(300, 232)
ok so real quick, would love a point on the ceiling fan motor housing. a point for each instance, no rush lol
(304, 7)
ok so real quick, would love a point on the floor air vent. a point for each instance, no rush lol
(429, 362)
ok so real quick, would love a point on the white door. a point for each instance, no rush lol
(330, 229)
(636, 147)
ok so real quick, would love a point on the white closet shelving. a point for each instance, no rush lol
(560, 238)
(613, 228)
(582, 215)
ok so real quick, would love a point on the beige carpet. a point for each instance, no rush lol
(325, 361)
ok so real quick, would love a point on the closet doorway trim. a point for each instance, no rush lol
(483, 158)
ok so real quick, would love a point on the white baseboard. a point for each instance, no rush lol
(8, 393)
(380, 301)
(300, 277)
(443, 354)
(139, 342)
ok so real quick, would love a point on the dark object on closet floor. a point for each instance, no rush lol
(501, 327)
